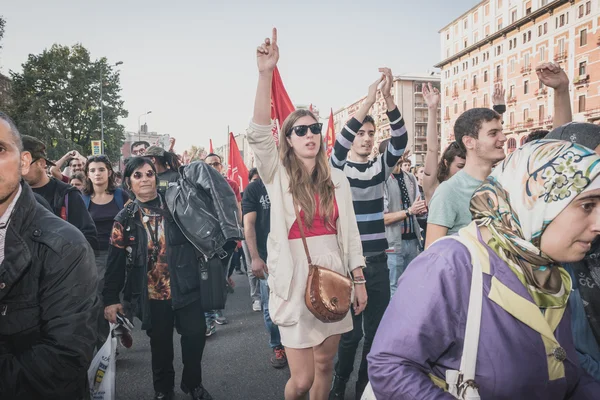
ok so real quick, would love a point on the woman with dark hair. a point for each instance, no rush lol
(167, 166)
(310, 200)
(156, 266)
(453, 159)
(103, 200)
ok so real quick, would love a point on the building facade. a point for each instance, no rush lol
(502, 41)
(408, 96)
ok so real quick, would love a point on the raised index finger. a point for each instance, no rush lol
(274, 36)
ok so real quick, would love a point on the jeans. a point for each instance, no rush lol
(211, 316)
(190, 325)
(397, 262)
(255, 286)
(271, 327)
(378, 290)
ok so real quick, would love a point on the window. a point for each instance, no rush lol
(512, 65)
(523, 140)
(583, 37)
(561, 46)
(465, 23)
(511, 118)
(475, 102)
(475, 17)
(447, 35)
(447, 114)
(525, 114)
(561, 20)
(475, 80)
(499, 3)
(543, 3)
(545, 28)
(455, 108)
(582, 68)
(465, 43)
(582, 103)
(525, 87)
(541, 114)
(542, 54)
(529, 36)
(464, 84)
(464, 106)
(487, 30)
(581, 10)
(540, 30)
(498, 72)
(588, 7)
(475, 37)
(525, 38)
(511, 92)
(486, 10)
(485, 76)
(541, 85)
(511, 145)
(526, 60)
(499, 24)
(485, 100)
(513, 16)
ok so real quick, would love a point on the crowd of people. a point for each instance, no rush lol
(475, 274)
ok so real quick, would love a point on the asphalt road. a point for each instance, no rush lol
(235, 364)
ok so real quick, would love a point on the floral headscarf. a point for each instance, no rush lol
(520, 199)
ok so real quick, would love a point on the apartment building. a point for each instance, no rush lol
(408, 96)
(502, 41)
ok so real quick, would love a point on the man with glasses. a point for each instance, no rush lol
(65, 200)
(139, 148)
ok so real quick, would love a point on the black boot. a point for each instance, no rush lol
(199, 393)
(338, 388)
(164, 396)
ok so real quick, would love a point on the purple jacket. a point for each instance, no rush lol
(422, 332)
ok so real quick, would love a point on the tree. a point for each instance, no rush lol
(2, 24)
(57, 99)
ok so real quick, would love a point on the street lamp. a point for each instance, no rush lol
(102, 107)
(140, 126)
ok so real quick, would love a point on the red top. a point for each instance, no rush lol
(236, 189)
(318, 226)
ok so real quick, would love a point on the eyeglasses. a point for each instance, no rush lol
(214, 164)
(139, 175)
(301, 130)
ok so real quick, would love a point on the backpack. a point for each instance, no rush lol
(118, 199)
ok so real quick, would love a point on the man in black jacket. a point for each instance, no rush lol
(64, 199)
(48, 302)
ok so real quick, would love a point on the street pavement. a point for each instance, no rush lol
(235, 363)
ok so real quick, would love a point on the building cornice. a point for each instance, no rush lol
(470, 10)
(547, 9)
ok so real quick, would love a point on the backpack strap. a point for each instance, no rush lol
(86, 199)
(119, 198)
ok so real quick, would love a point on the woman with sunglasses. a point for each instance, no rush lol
(299, 173)
(150, 259)
(538, 209)
(103, 200)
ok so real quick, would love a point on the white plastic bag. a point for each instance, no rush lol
(102, 371)
(368, 394)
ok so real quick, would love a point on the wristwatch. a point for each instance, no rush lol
(407, 212)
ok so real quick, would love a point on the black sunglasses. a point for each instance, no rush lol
(139, 175)
(301, 130)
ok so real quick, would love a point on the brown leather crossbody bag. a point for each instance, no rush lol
(328, 294)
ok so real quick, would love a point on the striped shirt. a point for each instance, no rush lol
(367, 180)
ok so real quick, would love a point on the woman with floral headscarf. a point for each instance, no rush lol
(538, 209)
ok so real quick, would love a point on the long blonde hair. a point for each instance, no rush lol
(304, 185)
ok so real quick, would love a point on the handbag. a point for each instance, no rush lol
(461, 384)
(213, 283)
(328, 294)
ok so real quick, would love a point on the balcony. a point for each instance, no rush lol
(529, 123)
(420, 120)
(511, 100)
(560, 57)
(455, 94)
(474, 88)
(525, 70)
(581, 80)
(541, 92)
(421, 105)
(592, 114)
(498, 79)
(447, 118)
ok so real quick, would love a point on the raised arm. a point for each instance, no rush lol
(397, 144)
(344, 139)
(553, 76)
(499, 98)
(260, 135)
(430, 183)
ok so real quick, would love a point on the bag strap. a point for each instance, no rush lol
(301, 226)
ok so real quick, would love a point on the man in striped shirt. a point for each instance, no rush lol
(367, 178)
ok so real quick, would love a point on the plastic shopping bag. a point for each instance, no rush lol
(102, 371)
(368, 394)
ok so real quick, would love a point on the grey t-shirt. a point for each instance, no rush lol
(450, 203)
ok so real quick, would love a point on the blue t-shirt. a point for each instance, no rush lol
(450, 203)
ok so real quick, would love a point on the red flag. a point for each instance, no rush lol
(281, 105)
(236, 170)
(210, 147)
(330, 137)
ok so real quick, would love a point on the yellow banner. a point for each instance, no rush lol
(96, 147)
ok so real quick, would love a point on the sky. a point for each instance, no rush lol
(193, 63)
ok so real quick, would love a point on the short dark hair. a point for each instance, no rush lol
(135, 144)
(13, 129)
(133, 164)
(370, 119)
(214, 155)
(251, 173)
(536, 135)
(469, 123)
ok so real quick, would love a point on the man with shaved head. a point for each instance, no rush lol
(48, 303)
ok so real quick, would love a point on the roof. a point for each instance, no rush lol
(413, 76)
(464, 14)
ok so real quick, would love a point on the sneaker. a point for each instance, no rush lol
(211, 329)
(199, 393)
(221, 320)
(279, 359)
(338, 388)
(256, 306)
(164, 396)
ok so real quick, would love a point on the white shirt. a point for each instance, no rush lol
(4, 221)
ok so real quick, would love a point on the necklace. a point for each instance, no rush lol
(146, 216)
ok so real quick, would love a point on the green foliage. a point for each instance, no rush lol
(57, 99)
(2, 24)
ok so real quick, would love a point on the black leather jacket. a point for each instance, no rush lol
(205, 208)
(48, 306)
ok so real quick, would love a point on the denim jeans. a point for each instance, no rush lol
(273, 330)
(378, 290)
(397, 262)
(255, 286)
